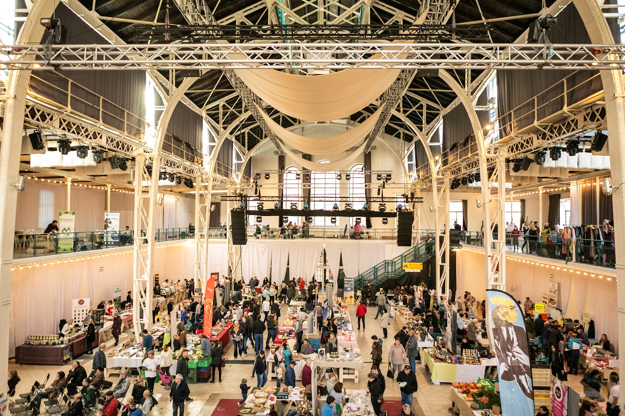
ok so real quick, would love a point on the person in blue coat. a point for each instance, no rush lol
(328, 408)
(287, 354)
(289, 376)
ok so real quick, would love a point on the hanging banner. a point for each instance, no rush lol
(506, 325)
(559, 398)
(553, 294)
(209, 294)
(111, 226)
(348, 293)
(117, 297)
(67, 221)
(80, 307)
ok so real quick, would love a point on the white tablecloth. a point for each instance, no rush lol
(469, 373)
(125, 362)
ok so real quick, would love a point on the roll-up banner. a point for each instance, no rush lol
(209, 294)
(67, 221)
(510, 342)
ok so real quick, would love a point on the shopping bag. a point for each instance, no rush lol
(390, 373)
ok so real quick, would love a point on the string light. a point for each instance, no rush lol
(86, 186)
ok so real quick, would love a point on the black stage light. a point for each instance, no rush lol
(36, 140)
(309, 220)
(188, 183)
(471, 178)
(123, 165)
(384, 221)
(267, 176)
(114, 161)
(148, 169)
(298, 176)
(293, 205)
(378, 177)
(357, 220)
(465, 181)
(306, 206)
(285, 220)
(338, 176)
(259, 219)
(347, 176)
(97, 156)
(382, 207)
(162, 175)
(477, 177)
(332, 220)
(260, 206)
(540, 158)
(525, 165)
(598, 142)
(171, 177)
(178, 179)
(517, 165)
(348, 206)
(572, 147)
(335, 207)
(455, 184)
(306, 176)
(64, 146)
(257, 176)
(555, 153)
(389, 177)
(82, 151)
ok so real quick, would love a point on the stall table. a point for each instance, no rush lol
(463, 406)
(223, 336)
(448, 373)
(359, 397)
(52, 354)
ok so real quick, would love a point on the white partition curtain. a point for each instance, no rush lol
(328, 145)
(279, 260)
(304, 259)
(255, 260)
(333, 256)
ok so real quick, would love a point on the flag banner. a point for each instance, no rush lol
(209, 294)
(510, 343)
(67, 222)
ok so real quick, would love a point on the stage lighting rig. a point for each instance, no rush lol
(555, 153)
(82, 151)
(123, 165)
(572, 147)
(540, 158)
(382, 207)
(64, 146)
(527, 162)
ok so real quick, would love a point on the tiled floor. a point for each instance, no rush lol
(429, 400)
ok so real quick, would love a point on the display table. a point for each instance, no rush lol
(463, 406)
(448, 373)
(361, 401)
(223, 336)
(52, 354)
(129, 358)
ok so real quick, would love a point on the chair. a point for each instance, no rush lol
(106, 385)
(60, 407)
(27, 397)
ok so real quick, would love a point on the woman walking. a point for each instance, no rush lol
(397, 356)
(384, 323)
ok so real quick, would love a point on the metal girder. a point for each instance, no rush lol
(203, 189)
(442, 255)
(312, 56)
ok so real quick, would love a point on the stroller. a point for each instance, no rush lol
(165, 379)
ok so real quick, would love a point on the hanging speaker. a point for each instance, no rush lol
(36, 140)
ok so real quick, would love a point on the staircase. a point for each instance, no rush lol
(392, 269)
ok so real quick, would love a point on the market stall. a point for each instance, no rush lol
(475, 399)
(602, 360)
(448, 368)
(51, 349)
(221, 333)
(260, 400)
(359, 404)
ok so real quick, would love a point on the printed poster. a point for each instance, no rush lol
(111, 226)
(117, 297)
(559, 398)
(80, 307)
(348, 294)
(510, 344)
(67, 221)
(553, 295)
(209, 294)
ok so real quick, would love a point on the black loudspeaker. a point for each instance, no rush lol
(36, 140)
(239, 228)
(598, 142)
(404, 229)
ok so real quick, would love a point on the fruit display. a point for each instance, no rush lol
(479, 392)
(471, 357)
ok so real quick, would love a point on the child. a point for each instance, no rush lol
(244, 388)
(542, 357)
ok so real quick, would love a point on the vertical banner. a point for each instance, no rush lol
(67, 221)
(80, 307)
(117, 297)
(505, 320)
(559, 398)
(553, 294)
(209, 294)
(111, 226)
(349, 290)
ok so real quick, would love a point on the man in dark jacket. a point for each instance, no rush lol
(75, 377)
(258, 327)
(407, 381)
(412, 349)
(116, 330)
(182, 368)
(99, 358)
(375, 391)
(289, 375)
(260, 369)
(290, 294)
(272, 329)
(539, 325)
(74, 409)
(179, 393)
(379, 376)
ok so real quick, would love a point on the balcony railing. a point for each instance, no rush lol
(323, 232)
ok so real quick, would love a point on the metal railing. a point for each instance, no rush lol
(28, 245)
(580, 250)
(322, 232)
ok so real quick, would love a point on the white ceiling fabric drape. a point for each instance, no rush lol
(325, 167)
(328, 145)
(255, 260)
(279, 258)
(304, 259)
(333, 255)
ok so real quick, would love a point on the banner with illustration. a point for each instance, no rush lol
(510, 343)
(111, 227)
(67, 223)
(559, 397)
(209, 294)
(348, 294)
(553, 294)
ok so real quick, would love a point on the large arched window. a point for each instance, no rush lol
(356, 188)
(325, 187)
(292, 191)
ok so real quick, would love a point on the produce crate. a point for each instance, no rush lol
(203, 374)
(486, 384)
(193, 364)
(204, 362)
(192, 376)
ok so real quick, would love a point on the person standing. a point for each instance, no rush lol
(408, 386)
(260, 369)
(575, 345)
(216, 355)
(258, 328)
(396, 355)
(244, 389)
(205, 346)
(299, 332)
(272, 329)
(412, 349)
(99, 358)
(361, 311)
(237, 339)
(179, 393)
(381, 302)
(289, 375)
(116, 330)
(374, 390)
(150, 365)
(384, 323)
(307, 374)
(90, 336)
(182, 367)
(319, 315)
(612, 407)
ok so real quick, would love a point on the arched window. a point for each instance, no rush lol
(292, 191)
(356, 189)
(325, 188)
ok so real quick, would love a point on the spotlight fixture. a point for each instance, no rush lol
(606, 186)
(540, 158)
(58, 32)
(293, 205)
(527, 162)
(348, 206)
(572, 147)
(309, 220)
(257, 176)
(347, 176)
(398, 208)
(267, 176)
(260, 206)
(365, 207)
(49, 23)
(148, 169)
(465, 181)
(389, 177)
(517, 165)
(123, 165)
(178, 179)
(276, 206)
(97, 156)
(114, 162)
(188, 182)
(378, 177)
(382, 207)
(335, 207)
(477, 177)
(242, 205)
(306, 176)
(555, 153)
(285, 220)
(471, 178)
(298, 176)
(306, 206)
(338, 177)
(64, 146)
(455, 184)
(162, 175)
(384, 221)
(171, 177)
(332, 220)
(259, 219)
(598, 142)
(81, 152)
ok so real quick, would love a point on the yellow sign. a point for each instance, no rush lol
(539, 308)
(413, 266)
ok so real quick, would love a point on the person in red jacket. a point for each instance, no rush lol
(307, 374)
(361, 311)
(302, 283)
(110, 406)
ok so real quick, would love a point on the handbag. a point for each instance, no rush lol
(223, 362)
(390, 374)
